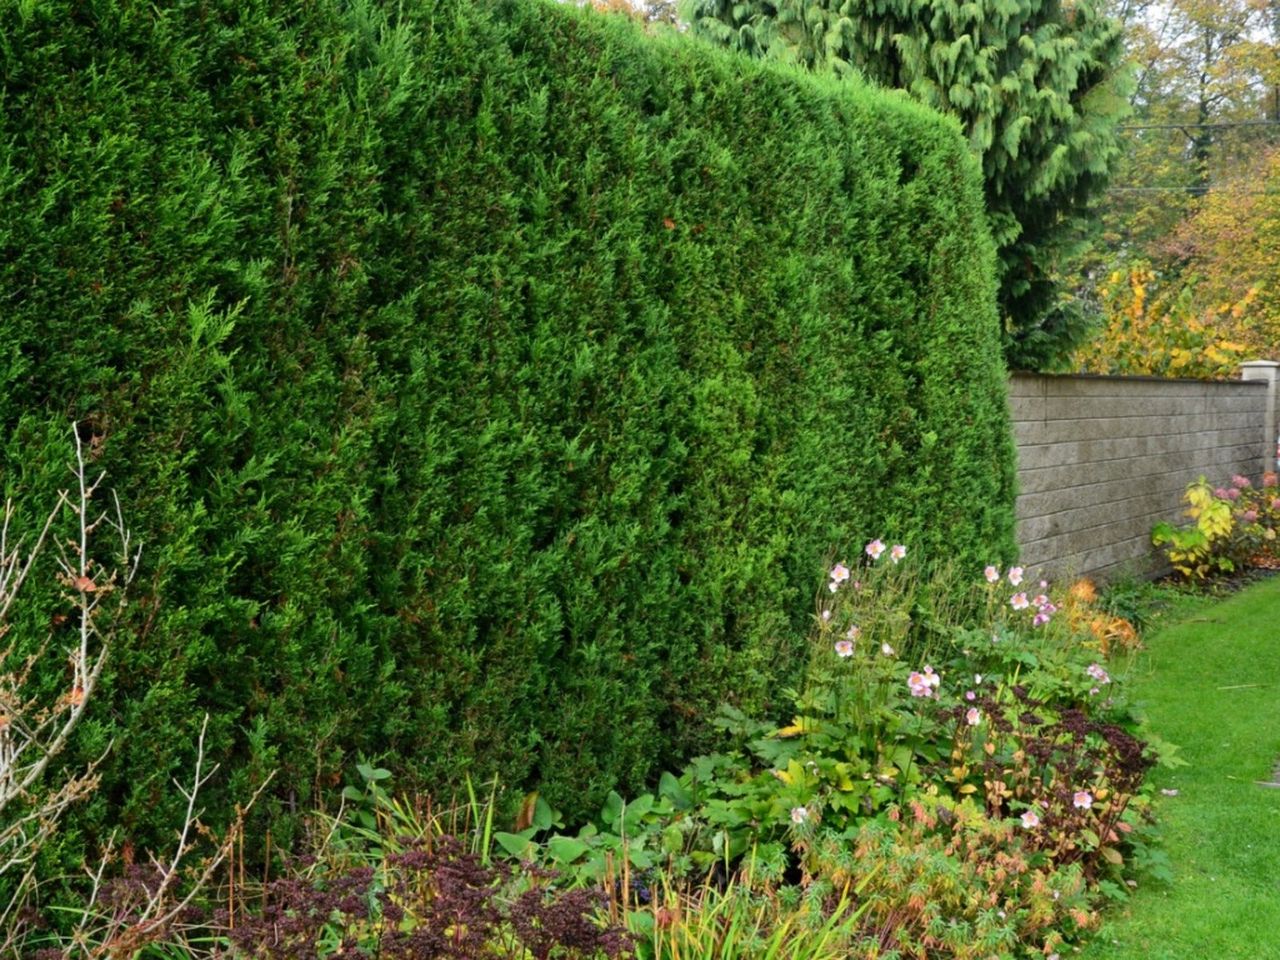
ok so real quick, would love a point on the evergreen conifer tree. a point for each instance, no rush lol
(1037, 84)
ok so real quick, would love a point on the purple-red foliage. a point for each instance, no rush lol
(1056, 755)
(435, 901)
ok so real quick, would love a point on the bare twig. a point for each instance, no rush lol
(35, 728)
(151, 915)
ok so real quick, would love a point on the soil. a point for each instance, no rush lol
(1259, 568)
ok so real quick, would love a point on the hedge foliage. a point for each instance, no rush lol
(487, 382)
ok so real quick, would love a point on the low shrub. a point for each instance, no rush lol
(948, 880)
(1231, 527)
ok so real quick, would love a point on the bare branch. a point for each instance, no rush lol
(36, 728)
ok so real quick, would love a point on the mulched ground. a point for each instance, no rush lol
(1261, 567)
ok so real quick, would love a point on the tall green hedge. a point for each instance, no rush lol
(488, 382)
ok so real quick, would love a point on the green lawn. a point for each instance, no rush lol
(1211, 684)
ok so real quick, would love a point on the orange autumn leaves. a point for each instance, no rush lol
(1110, 633)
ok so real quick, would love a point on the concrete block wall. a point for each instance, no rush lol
(1103, 459)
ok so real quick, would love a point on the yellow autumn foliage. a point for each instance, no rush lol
(1152, 330)
(1231, 245)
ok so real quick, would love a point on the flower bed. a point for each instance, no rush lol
(958, 777)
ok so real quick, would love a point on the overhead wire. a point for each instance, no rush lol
(1196, 190)
(1215, 125)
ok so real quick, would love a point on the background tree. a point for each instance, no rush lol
(1037, 85)
(1188, 207)
(1204, 90)
(646, 11)
(1159, 329)
(1229, 249)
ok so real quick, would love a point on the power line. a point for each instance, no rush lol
(1222, 125)
(1196, 191)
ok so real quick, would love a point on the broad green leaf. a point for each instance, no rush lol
(565, 850)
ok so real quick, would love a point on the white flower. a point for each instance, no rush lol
(799, 815)
(886, 650)
(923, 684)
(1015, 575)
(897, 552)
(991, 573)
(874, 549)
(1030, 820)
(1095, 671)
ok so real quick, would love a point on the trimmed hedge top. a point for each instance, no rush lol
(489, 382)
